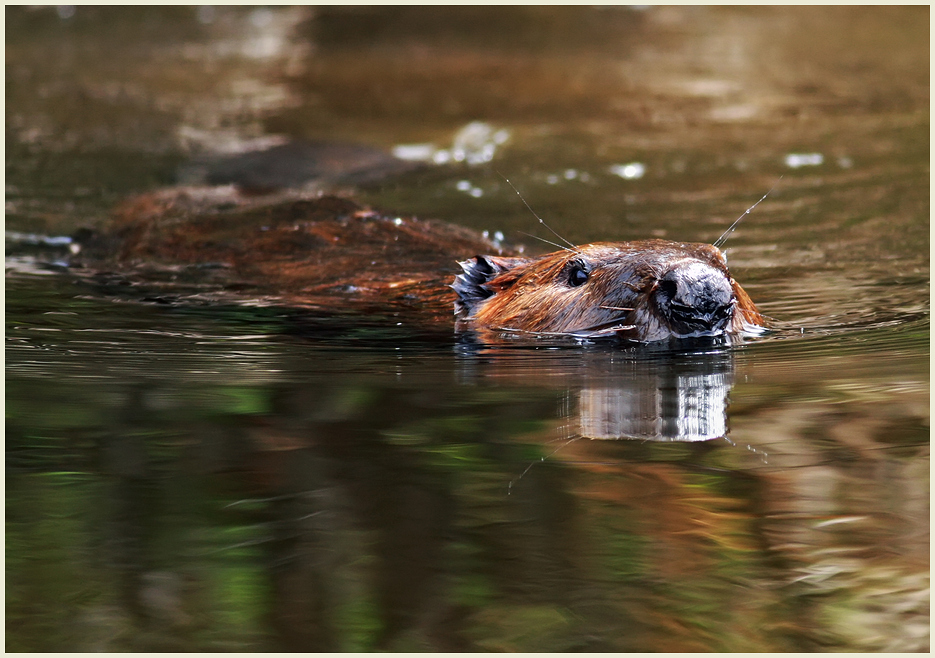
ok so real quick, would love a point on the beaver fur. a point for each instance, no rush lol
(327, 252)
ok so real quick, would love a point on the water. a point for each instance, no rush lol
(226, 478)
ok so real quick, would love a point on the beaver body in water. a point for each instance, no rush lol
(327, 253)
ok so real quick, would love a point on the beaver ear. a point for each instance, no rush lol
(471, 285)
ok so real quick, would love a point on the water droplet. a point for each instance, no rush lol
(796, 160)
(629, 171)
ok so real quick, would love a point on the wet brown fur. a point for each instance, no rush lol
(329, 252)
(535, 296)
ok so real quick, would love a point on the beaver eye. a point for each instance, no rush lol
(578, 276)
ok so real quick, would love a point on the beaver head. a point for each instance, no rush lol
(645, 290)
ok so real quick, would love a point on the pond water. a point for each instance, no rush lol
(219, 477)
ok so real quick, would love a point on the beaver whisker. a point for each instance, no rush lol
(607, 331)
(554, 244)
(616, 308)
(602, 327)
(730, 229)
(592, 331)
(573, 246)
(587, 332)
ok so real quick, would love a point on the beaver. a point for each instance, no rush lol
(644, 290)
(327, 252)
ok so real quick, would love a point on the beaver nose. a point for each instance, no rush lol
(695, 298)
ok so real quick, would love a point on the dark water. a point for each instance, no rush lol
(229, 478)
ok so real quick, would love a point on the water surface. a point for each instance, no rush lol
(218, 477)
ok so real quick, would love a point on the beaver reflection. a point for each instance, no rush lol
(644, 290)
(658, 397)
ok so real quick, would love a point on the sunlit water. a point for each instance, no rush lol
(228, 478)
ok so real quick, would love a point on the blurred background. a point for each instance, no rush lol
(225, 478)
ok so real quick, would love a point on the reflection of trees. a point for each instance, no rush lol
(367, 514)
(848, 509)
(395, 481)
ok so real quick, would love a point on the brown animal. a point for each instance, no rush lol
(646, 291)
(329, 253)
